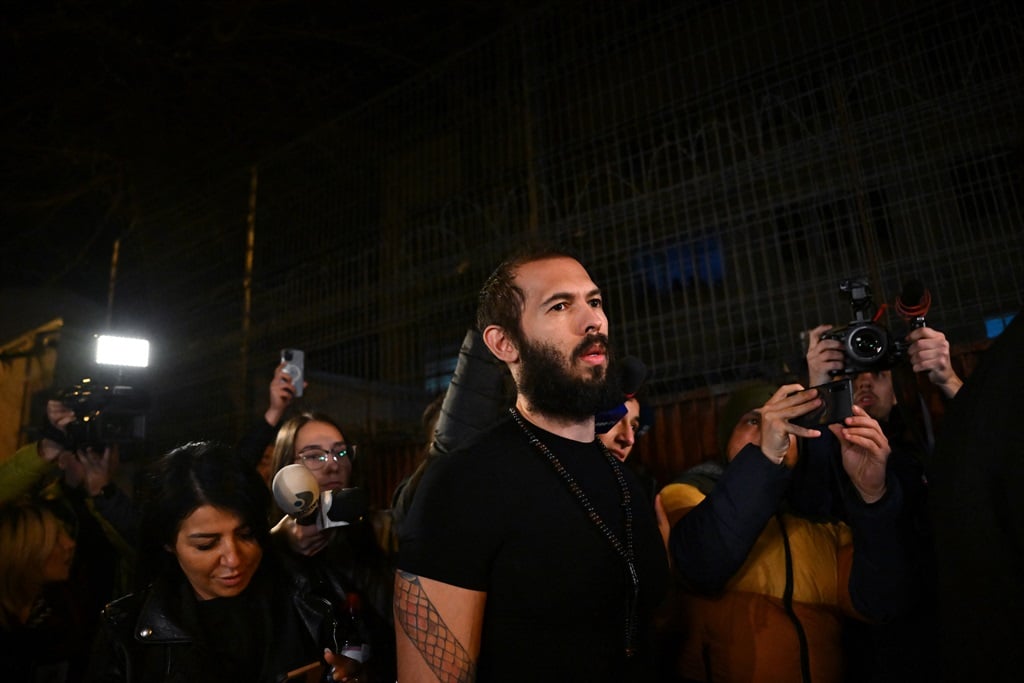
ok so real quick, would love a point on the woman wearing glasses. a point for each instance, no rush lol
(342, 559)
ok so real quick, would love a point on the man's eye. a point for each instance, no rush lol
(207, 546)
(596, 303)
(559, 307)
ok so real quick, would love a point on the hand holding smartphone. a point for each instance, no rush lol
(836, 405)
(294, 360)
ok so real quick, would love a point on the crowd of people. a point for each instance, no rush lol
(527, 544)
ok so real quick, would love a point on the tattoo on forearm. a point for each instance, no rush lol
(421, 622)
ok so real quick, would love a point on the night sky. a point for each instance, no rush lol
(100, 93)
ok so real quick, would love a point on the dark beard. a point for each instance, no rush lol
(552, 390)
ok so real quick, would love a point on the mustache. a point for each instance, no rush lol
(591, 340)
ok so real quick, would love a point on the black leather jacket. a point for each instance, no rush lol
(156, 635)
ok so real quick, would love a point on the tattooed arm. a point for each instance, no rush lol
(437, 628)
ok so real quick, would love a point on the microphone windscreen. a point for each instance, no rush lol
(296, 490)
(914, 301)
(632, 372)
(913, 292)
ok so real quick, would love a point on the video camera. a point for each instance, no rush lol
(105, 414)
(867, 345)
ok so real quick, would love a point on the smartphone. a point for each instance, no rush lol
(836, 406)
(295, 367)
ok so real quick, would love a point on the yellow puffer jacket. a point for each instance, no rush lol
(744, 634)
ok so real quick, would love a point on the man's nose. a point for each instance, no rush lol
(594, 320)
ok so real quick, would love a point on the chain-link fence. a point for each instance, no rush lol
(719, 166)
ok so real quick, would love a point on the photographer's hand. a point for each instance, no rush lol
(929, 352)
(823, 355)
(58, 417)
(50, 450)
(304, 539)
(777, 432)
(865, 452)
(98, 468)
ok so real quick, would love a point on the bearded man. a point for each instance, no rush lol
(533, 554)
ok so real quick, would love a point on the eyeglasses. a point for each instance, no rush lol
(316, 458)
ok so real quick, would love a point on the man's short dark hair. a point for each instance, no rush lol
(501, 301)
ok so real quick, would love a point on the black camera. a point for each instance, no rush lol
(867, 345)
(105, 414)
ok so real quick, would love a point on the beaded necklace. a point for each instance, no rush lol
(625, 551)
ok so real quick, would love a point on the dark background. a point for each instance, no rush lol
(101, 97)
(719, 165)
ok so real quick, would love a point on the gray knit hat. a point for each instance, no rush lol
(741, 401)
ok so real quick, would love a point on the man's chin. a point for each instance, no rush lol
(591, 374)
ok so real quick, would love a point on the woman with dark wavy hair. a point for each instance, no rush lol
(216, 605)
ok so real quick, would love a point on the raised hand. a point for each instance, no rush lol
(823, 355)
(929, 352)
(98, 468)
(59, 416)
(865, 452)
(777, 432)
(282, 393)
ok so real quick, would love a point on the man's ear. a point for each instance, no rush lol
(500, 344)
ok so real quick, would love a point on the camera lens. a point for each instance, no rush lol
(866, 344)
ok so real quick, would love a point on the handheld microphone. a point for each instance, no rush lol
(632, 373)
(913, 303)
(298, 494)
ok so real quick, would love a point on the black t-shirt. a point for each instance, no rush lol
(497, 518)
